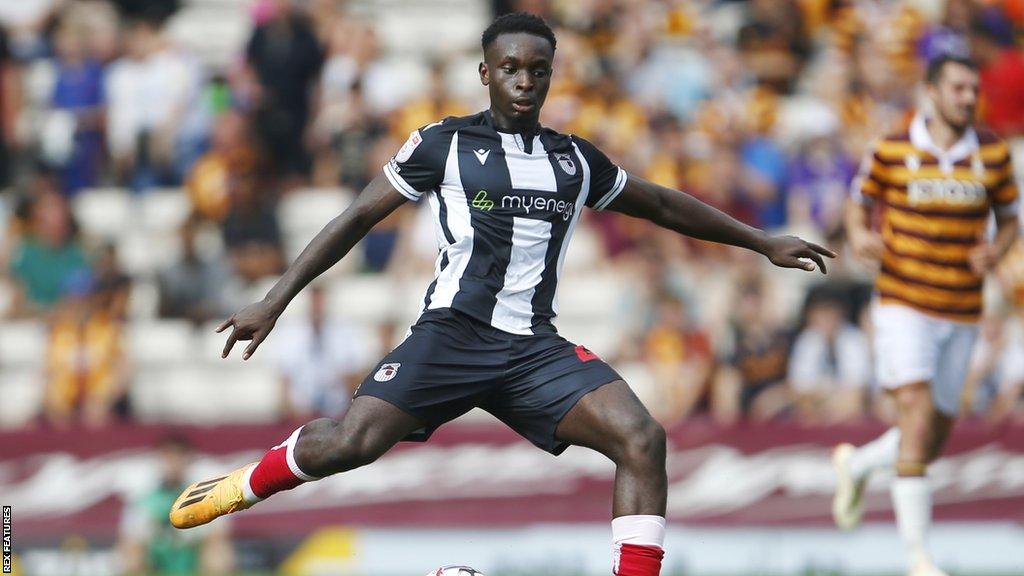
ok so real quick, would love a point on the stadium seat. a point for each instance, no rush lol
(206, 393)
(163, 209)
(22, 343)
(161, 342)
(144, 301)
(143, 252)
(589, 295)
(104, 212)
(22, 393)
(306, 211)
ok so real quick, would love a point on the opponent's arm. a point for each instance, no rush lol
(865, 242)
(254, 322)
(985, 256)
(682, 213)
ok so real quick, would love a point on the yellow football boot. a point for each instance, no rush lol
(203, 501)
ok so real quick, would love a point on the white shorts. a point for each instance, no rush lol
(911, 346)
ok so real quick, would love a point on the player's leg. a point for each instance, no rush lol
(923, 432)
(903, 354)
(612, 421)
(925, 414)
(319, 448)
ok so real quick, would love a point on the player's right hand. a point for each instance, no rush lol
(254, 322)
(867, 245)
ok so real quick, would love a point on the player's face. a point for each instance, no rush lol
(517, 72)
(955, 95)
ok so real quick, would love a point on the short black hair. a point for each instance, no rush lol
(938, 64)
(517, 22)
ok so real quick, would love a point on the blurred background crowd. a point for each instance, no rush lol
(162, 161)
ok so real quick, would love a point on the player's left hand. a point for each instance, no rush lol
(790, 252)
(983, 258)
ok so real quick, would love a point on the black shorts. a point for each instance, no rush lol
(452, 363)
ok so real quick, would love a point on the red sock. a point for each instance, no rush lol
(639, 560)
(275, 472)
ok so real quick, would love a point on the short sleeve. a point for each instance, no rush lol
(869, 182)
(419, 164)
(1003, 192)
(606, 179)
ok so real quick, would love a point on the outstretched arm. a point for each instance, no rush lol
(682, 213)
(254, 322)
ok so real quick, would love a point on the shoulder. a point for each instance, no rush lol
(893, 146)
(992, 147)
(986, 137)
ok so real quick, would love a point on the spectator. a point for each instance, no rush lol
(231, 156)
(252, 235)
(194, 287)
(679, 358)
(48, 256)
(818, 178)
(1002, 81)
(113, 286)
(148, 92)
(149, 545)
(320, 362)
(1009, 375)
(752, 380)
(950, 35)
(830, 368)
(73, 132)
(285, 57)
(86, 368)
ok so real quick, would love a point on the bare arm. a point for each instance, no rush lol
(985, 256)
(682, 213)
(255, 321)
(865, 242)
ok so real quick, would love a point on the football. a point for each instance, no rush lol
(455, 571)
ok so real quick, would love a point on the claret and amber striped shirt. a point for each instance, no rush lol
(935, 206)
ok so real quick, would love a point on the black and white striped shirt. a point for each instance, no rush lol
(505, 208)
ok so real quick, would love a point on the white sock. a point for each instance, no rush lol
(881, 452)
(912, 502)
(638, 529)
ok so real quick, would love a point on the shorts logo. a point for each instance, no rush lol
(386, 372)
(585, 355)
(565, 161)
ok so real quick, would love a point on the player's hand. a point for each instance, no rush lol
(254, 323)
(867, 245)
(790, 252)
(983, 258)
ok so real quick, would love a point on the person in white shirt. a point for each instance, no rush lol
(830, 367)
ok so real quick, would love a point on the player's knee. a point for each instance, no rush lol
(312, 451)
(645, 443)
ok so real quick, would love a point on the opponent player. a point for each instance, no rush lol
(506, 195)
(936, 184)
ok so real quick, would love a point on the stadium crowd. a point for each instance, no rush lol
(760, 108)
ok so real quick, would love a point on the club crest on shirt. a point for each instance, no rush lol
(565, 161)
(386, 372)
(405, 152)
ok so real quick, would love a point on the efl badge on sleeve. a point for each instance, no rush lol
(405, 152)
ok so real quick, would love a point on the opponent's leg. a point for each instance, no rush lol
(319, 448)
(923, 432)
(612, 421)
(854, 466)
